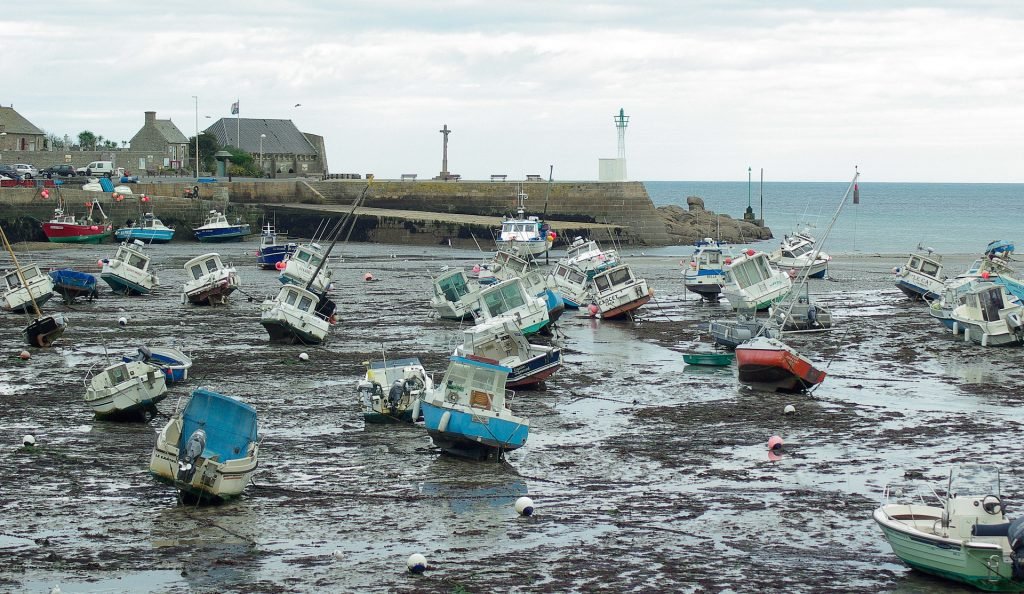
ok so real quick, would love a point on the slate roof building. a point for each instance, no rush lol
(279, 146)
(19, 134)
(162, 138)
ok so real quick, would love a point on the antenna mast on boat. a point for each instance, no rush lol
(336, 231)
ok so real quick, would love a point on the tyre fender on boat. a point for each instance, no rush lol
(415, 410)
(442, 426)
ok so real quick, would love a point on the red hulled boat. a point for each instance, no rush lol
(769, 364)
(64, 228)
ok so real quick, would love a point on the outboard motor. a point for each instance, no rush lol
(1015, 325)
(1015, 534)
(395, 394)
(187, 459)
(145, 353)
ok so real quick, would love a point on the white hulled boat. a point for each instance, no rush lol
(392, 390)
(797, 253)
(297, 316)
(502, 341)
(509, 300)
(209, 282)
(571, 284)
(990, 316)
(129, 272)
(126, 391)
(588, 257)
(300, 267)
(751, 283)
(527, 236)
(23, 285)
(702, 273)
(921, 277)
(455, 294)
(618, 292)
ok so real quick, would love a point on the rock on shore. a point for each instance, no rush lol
(688, 226)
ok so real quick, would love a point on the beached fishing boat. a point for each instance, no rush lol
(307, 267)
(702, 273)
(527, 236)
(751, 282)
(966, 537)
(798, 254)
(732, 333)
(125, 391)
(955, 289)
(467, 414)
(771, 365)
(989, 316)
(129, 272)
(25, 285)
(41, 330)
(617, 293)
(502, 341)
(571, 284)
(271, 252)
(509, 300)
(148, 230)
(921, 277)
(209, 282)
(216, 229)
(802, 315)
(210, 449)
(63, 227)
(506, 265)
(172, 362)
(588, 257)
(392, 390)
(297, 316)
(72, 284)
(455, 294)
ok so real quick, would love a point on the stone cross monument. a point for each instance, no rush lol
(444, 159)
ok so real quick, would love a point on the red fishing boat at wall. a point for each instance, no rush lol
(769, 364)
(64, 228)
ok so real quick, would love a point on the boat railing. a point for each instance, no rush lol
(89, 374)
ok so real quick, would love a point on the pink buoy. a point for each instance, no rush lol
(280, 265)
(593, 310)
(728, 260)
(984, 274)
(476, 269)
(45, 193)
(24, 355)
(750, 252)
(99, 263)
(775, 442)
(791, 272)
(367, 277)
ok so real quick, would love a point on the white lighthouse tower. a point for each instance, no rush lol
(615, 169)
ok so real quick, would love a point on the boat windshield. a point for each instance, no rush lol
(454, 287)
(620, 276)
(212, 265)
(136, 261)
(197, 271)
(12, 280)
(974, 480)
(118, 374)
(503, 298)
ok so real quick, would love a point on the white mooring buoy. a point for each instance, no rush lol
(28, 441)
(790, 409)
(417, 563)
(303, 357)
(524, 506)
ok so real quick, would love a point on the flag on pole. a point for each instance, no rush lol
(234, 108)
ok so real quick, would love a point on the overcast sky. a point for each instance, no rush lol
(924, 92)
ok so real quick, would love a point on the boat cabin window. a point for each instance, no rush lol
(602, 282)
(741, 273)
(453, 287)
(304, 303)
(503, 299)
(302, 255)
(292, 296)
(915, 263)
(929, 268)
(711, 257)
(12, 280)
(136, 261)
(991, 302)
(211, 265)
(118, 375)
(29, 273)
(197, 271)
(620, 276)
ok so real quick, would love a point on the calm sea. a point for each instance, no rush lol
(891, 217)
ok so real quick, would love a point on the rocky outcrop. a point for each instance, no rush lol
(688, 226)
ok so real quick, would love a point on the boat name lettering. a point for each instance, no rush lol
(479, 419)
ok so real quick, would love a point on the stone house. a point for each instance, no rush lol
(277, 145)
(18, 134)
(164, 144)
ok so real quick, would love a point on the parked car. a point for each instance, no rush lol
(10, 172)
(97, 169)
(57, 171)
(27, 171)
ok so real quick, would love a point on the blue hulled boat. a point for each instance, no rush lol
(216, 228)
(149, 230)
(71, 284)
(271, 252)
(467, 414)
(174, 363)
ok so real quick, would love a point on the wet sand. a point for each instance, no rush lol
(648, 475)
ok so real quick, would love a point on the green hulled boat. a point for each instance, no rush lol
(712, 359)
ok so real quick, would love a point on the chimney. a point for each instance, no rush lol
(150, 117)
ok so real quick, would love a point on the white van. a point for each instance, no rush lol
(97, 168)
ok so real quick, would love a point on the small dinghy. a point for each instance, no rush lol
(128, 272)
(732, 333)
(209, 282)
(392, 390)
(72, 284)
(209, 450)
(771, 365)
(710, 359)
(467, 414)
(173, 363)
(125, 391)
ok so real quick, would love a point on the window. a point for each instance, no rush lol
(929, 268)
(211, 265)
(197, 271)
(620, 276)
(304, 303)
(302, 256)
(118, 374)
(290, 299)
(991, 303)
(915, 263)
(712, 257)
(136, 261)
(602, 282)
(29, 273)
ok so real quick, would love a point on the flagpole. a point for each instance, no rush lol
(238, 115)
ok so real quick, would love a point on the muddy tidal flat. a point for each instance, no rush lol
(648, 475)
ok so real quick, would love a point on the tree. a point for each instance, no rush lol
(86, 140)
(208, 145)
(242, 163)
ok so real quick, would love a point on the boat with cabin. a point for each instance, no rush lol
(308, 267)
(172, 362)
(455, 294)
(209, 450)
(506, 265)
(125, 391)
(797, 253)
(703, 273)
(990, 316)
(588, 257)
(129, 271)
(272, 252)
(148, 230)
(921, 277)
(527, 236)
(618, 292)
(216, 229)
(72, 284)
(468, 415)
(41, 330)
(297, 316)
(209, 281)
(392, 390)
(571, 284)
(509, 300)
(25, 285)
(64, 227)
(964, 536)
(502, 341)
(751, 282)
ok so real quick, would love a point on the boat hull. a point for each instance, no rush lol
(71, 284)
(712, 359)
(121, 285)
(625, 308)
(709, 291)
(66, 233)
(915, 291)
(468, 435)
(282, 332)
(775, 370)
(268, 257)
(222, 234)
(43, 331)
(535, 370)
(144, 235)
(981, 335)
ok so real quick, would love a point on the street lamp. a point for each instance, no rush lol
(262, 136)
(196, 98)
(749, 215)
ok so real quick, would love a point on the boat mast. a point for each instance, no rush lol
(336, 232)
(21, 277)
